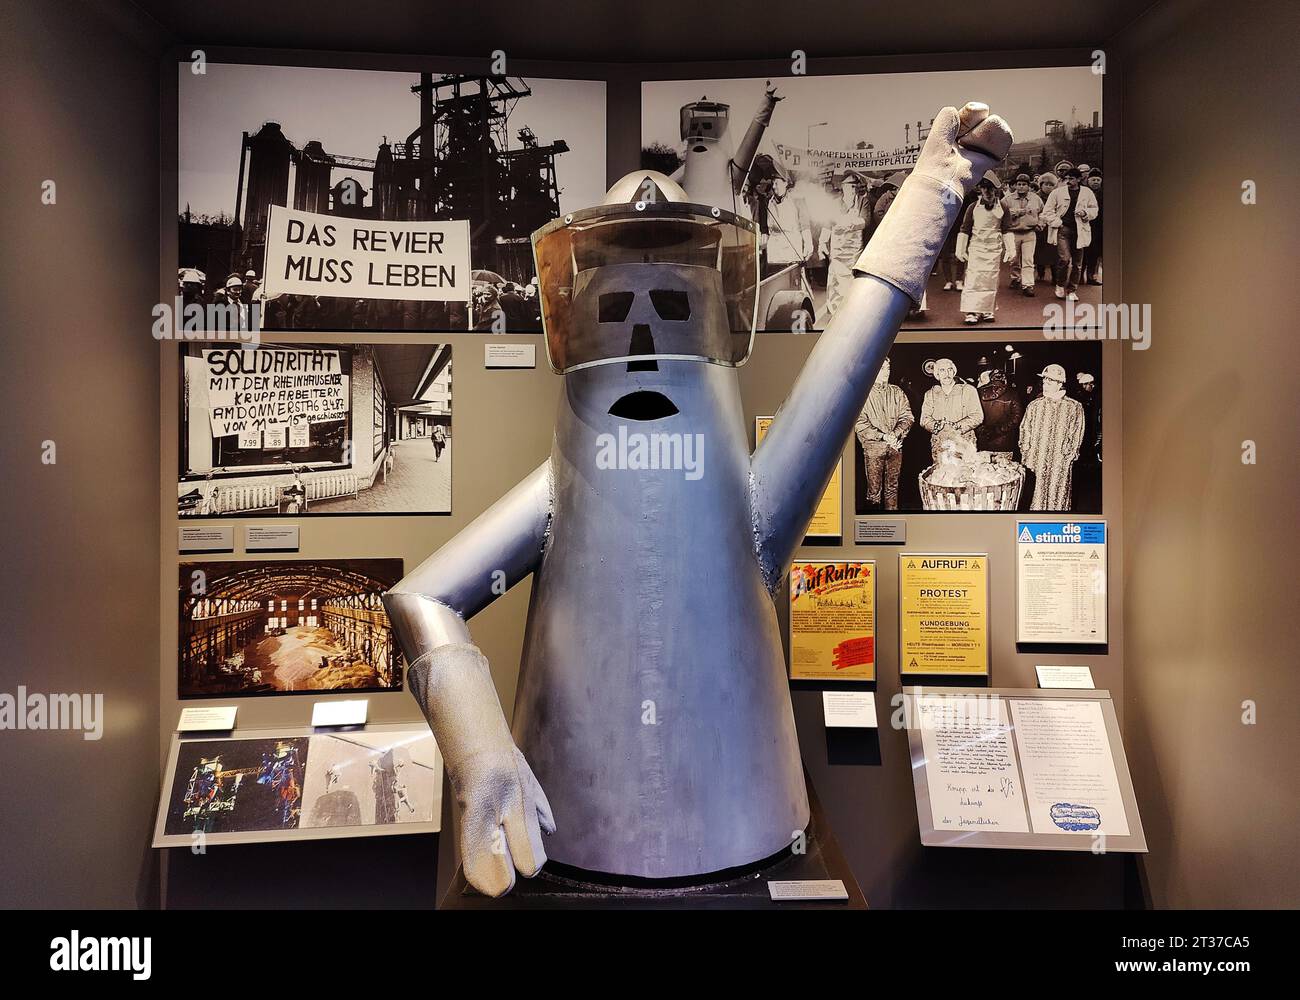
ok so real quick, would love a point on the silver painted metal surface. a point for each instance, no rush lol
(652, 702)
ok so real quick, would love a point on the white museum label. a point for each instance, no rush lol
(509, 355)
(812, 888)
(875, 531)
(849, 709)
(1075, 678)
(207, 718)
(340, 713)
(271, 538)
(1061, 581)
(205, 538)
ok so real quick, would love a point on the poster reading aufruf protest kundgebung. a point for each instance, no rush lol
(943, 613)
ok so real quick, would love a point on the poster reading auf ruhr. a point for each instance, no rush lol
(827, 519)
(1061, 581)
(833, 620)
(943, 613)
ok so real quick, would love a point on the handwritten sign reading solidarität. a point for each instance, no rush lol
(273, 389)
(312, 254)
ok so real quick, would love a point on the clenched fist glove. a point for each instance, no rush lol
(503, 810)
(960, 148)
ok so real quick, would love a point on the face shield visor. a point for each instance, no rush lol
(647, 281)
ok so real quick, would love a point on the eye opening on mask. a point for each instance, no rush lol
(671, 304)
(614, 306)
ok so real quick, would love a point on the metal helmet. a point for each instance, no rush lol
(647, 275)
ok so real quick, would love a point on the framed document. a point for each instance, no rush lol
(1061, 582)
(943, 613)
(827, 522)
(1042, 770)
(833, 620)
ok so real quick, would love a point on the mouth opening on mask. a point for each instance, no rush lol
(642, 405)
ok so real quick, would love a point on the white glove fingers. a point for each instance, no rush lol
(970, 116)
(991, 136)
(945, 127)
(485, 854)
(534, 795)
(524, 840)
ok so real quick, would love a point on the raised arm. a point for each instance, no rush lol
(744, 158)
(503, 810)
(794, 463)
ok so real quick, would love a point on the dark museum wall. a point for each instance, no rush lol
(79, 599)
(1210, 598)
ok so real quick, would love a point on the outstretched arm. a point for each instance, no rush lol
(794, 463)
(744, 158)
(503, 811)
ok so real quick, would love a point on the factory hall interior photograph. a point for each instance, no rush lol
(646, 460)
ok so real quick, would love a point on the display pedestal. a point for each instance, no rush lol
(562, 887)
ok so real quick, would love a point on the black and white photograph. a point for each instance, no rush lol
(958, 427)
(372, 779)
(277, 627)
(832, 152)
(501, 154)
(314, 429)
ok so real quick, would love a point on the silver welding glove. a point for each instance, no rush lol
(960, 148)
(503, 810)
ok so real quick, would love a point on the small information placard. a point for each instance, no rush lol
(849, 709)
(271, 538)
(804, 889)
(875, 531)
(1075, 678)
(509, 355)
(207, 719)
(205, 538)
(340, 713)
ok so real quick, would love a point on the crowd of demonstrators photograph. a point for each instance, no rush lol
(505, 154)
(314, 429)
(832, 152)
(982, 427)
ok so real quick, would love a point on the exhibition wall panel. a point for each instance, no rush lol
(501, 429)
(1210, 599)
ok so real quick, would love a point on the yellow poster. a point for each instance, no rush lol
(828, 519)
(943, 613)
(833, 620)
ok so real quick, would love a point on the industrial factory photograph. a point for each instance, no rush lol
(988, 427)
(317, 429)
(361, 157)
(828, 154)
(265, 627)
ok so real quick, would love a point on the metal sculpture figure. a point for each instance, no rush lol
(652, 703)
